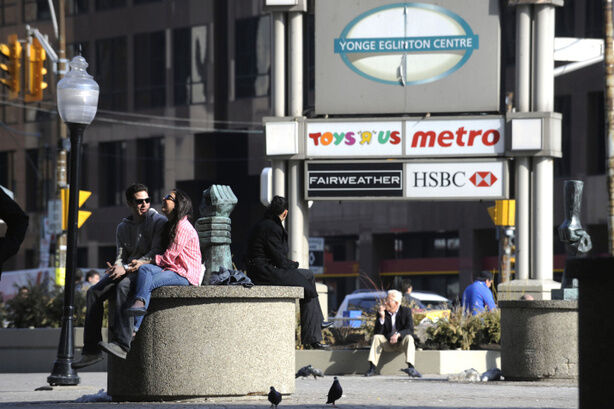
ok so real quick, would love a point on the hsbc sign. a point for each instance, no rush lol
(457, 180)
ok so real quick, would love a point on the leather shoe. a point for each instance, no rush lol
(318, 345)
(113, 349)
(136, 311)
(87, 360)
(370, 372)
(326, 324)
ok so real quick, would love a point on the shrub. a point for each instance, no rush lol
(42, 307)
(465, 331)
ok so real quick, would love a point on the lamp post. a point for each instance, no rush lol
(77, 102)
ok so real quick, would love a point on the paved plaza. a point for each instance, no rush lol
(431, 391)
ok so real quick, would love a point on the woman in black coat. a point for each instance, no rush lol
(268, 264)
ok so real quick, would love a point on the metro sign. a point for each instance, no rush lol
(460, 180)
(483, 179)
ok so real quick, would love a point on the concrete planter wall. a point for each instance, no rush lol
(354, 361)
(539, 339)
(24, 350)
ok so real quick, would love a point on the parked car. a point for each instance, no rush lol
(359, 302)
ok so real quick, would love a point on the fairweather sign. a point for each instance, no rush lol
(388, 57)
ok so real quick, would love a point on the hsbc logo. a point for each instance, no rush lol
(483, 179)
(456, 180)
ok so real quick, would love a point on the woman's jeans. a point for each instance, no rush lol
(150, 277)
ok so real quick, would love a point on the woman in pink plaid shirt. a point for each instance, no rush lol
(181, 263)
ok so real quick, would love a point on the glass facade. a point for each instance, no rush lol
(253, 57)
(111, 73)
(149, 70)
(190, 65)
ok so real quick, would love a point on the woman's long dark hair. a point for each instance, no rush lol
(183, 207)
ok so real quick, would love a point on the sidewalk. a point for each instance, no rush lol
(431, 391)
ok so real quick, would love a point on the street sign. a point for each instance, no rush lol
(353, 180)
(458, 180)
(316, 255)
(390, 57)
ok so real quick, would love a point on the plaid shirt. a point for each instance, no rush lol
(183, 255)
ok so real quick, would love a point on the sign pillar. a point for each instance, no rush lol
(543, 166)
(278, 166)
(522, 98)
(298, 210)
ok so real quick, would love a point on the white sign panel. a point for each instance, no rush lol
(468, 137)
(353, 139)
(456, 180)
(316, 255)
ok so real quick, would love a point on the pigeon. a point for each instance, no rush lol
(304, 372)
(274, 397)
(316, 372)
(335, 392)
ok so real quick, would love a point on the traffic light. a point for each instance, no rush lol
(82, 215)
(503, 213)
(11, 64)
(36, 72)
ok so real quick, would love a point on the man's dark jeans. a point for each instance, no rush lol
(121, 326)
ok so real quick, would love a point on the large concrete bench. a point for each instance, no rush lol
(210, 341)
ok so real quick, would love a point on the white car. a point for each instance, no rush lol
(359, 302)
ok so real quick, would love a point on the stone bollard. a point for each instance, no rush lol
(214, 228)
(539, 339)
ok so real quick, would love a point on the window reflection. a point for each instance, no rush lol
(190, 65)
(149, 70)
(253, 59)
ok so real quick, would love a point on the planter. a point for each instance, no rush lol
(26, 350)
(354, 361)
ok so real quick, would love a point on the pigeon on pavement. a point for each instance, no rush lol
(274, 397)
(304, 372)
(335, 392)
(316, 372)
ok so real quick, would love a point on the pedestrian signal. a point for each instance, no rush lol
(83, 214)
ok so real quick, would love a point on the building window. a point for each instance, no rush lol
(110, 75)
(562, 166)
(149, 70)
(253, 57)
(33, 196)
(150, 165)
(9, 13)
(7, 173)
(594, 19)
(564, 20)
(109, 4)
(190, 65)
(112, 172)
(36, 10)
(595, 134)
(75, 7)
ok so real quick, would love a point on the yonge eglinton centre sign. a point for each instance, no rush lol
(381, 57)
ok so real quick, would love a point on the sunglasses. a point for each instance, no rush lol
(141, 201)
(169, 197)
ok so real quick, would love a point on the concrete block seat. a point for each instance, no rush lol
(210, 341)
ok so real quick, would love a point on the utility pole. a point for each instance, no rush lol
(609, 116)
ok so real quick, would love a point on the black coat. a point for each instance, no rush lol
(267, 260)
(17, 224)
(404, 323)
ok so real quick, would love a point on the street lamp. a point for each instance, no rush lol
(77, 103)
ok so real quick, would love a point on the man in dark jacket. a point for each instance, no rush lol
(16, 226)
(394, 331)
(268, 264)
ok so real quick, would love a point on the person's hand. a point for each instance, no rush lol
(395, 338)
(115, 271)
(134, 265)
(382, 311)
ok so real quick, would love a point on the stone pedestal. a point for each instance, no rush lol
(539, 339)
(538, 289)
(210, 341)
